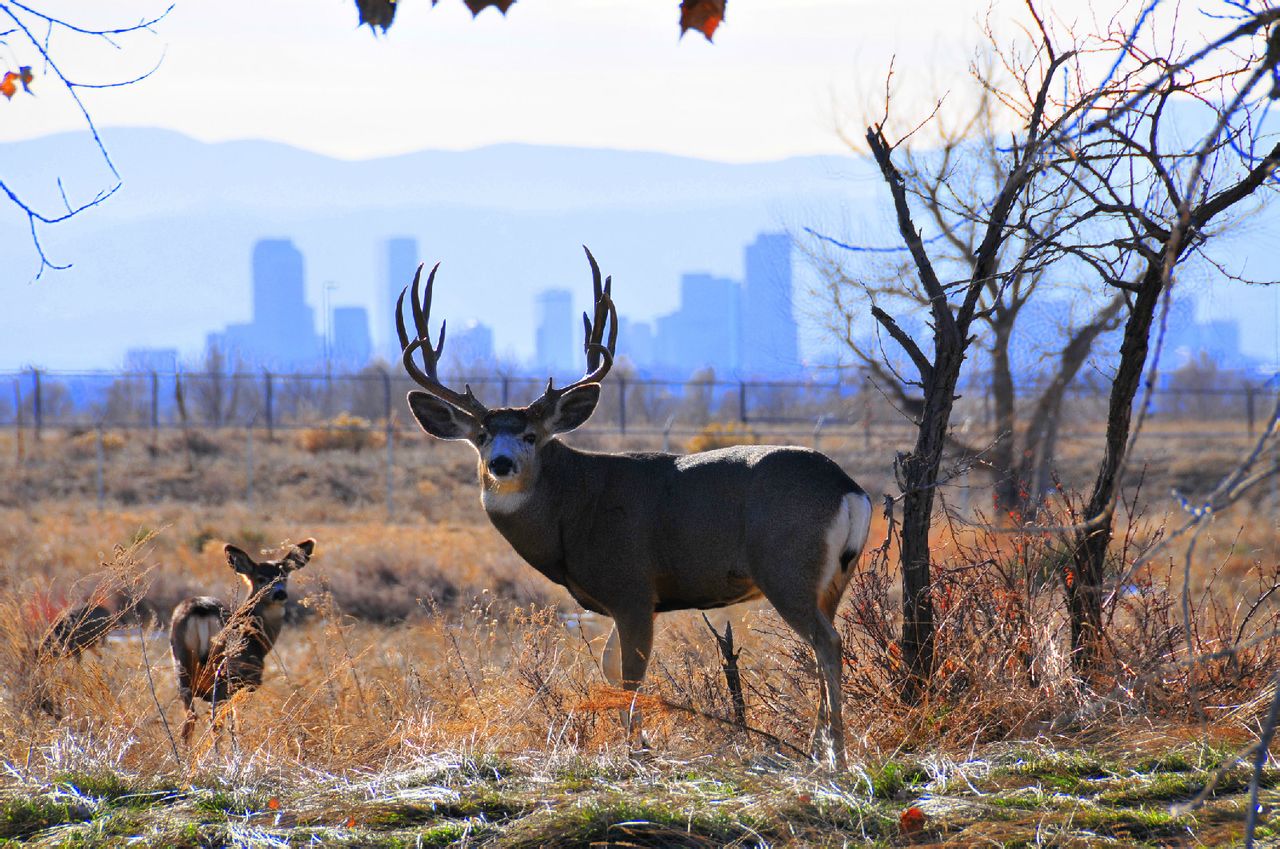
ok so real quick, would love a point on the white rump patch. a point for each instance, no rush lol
(200, 633)
(847, 533)
(859, 507)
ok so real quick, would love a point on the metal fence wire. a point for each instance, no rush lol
(131, 400)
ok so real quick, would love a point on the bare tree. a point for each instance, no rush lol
(1103, 197)
(951, 184)
(1160, 200)
(39, 40)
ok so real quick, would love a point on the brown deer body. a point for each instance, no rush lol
(84, 626)
(631, 535)
(218, 652)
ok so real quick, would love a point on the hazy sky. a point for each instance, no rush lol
(596, 73)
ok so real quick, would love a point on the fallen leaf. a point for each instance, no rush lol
(7, 88)
(911, 820)
(351, 822)
(273, 804)
(702, 15)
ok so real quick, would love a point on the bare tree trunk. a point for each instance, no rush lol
(1084, 577)
(919, 478)
(1010, 488)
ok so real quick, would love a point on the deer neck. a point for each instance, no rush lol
(532, 520)
(260, 625)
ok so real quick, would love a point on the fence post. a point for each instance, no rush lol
(102, 485)
(155, 403)
(17, 410)
(866, 412)
(1249, 410)
(37, 411)
(506, 391)
(248, 466)
(742, 401)
(268, 402)
(666, 434)
(391, 451)
(622, 406)
(817, 432)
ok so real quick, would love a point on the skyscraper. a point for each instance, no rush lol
(770, 345)
(400, 262)
(352, 346)
(557, 341)
(282, 332)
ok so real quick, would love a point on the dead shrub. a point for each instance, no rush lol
(722, 435)
(344, 432)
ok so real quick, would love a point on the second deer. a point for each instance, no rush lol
(217, 651)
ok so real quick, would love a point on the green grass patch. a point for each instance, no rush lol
(25, 816)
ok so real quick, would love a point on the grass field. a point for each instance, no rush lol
(431, 689)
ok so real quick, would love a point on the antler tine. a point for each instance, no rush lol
(599, 354)
(429, 379)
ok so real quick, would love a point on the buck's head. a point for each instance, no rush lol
(267, 581)
(508, 440)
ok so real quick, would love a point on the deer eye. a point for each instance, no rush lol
(530, 438)
(482, 438)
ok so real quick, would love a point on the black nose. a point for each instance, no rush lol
(279, 595)
(501, 466)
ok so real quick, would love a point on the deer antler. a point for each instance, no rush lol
(428, 379)
(599, 353)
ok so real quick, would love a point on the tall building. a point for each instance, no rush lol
(400, 261)
(557, 337)
(282, 333)
(470, 349)
(635, 342)
(770, 337)
(704, 331)
(352, 346)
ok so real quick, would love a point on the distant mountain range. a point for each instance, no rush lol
(167, 259)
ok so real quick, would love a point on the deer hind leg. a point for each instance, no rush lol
(626, 657)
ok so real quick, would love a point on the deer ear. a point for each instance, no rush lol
(440, 418)
(300, 554)
(573, 408)
(238, 560)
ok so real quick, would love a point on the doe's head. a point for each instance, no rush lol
(267, 581)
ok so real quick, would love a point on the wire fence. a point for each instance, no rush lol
(42, 400)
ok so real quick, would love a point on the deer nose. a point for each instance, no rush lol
(502, 466)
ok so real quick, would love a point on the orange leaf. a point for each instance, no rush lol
(911, 820)
(7, 88)
(351, 822)
(703, 15)
(273, 804)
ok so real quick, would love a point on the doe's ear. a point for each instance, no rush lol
(300, 554)
(239, 560)
(573, 408)
(440, 418)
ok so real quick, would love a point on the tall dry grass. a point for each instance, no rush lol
(417, 638)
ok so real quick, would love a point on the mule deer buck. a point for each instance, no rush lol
(631, 535)
(218, 652)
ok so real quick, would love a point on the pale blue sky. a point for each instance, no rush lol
(595, 73)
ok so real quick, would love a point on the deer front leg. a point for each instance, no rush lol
(626, 657)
